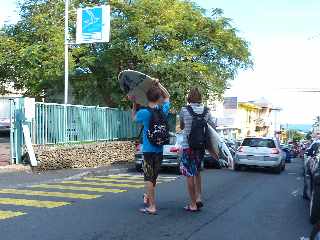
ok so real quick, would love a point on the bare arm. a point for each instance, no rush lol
(165, 92)
(134, 111)
(212, 121)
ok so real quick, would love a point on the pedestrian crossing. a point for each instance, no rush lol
(75, 188)
(48, 195)
(105, 184)
(10, 214)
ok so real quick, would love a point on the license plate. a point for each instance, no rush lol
(258, 158)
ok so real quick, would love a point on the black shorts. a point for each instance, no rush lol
(151, 166)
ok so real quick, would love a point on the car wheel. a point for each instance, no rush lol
(202, 165)
(283, 167)
(237, 167)
(314, 205)
(177, 170)
(206, 165)
(278, 169)
(138, 168)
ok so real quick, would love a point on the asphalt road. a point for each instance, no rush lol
(248, 205)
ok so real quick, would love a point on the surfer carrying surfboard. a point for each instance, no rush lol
(157, 108)
(193, 121)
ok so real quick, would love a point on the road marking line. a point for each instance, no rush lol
(32, 203)
(89, 189)
(10, 214)
(114, 180)
(133, 177)
(49, 194)
(103, 184)
(141, 176)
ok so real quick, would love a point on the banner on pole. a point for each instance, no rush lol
(93, 24)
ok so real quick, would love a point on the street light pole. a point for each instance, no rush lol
(66, 67)
(66, 51)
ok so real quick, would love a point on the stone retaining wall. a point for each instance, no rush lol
(84, 155)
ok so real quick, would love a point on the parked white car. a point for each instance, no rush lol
(4, 124)
(4, 114)
(260, 152)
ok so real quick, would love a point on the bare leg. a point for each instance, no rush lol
(192, 192)
(198, 187)
(150, 187)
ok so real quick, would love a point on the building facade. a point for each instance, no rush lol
(240, 119)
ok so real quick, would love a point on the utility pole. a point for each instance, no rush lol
(66, 67)
(66, 51)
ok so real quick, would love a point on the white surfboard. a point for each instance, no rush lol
(217, 147)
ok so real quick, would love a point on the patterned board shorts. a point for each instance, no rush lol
(190, 164)
(151, 166)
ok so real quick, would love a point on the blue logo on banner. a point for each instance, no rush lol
(92, 20)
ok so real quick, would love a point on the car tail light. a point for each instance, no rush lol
(174, 149)
(275, 151)
(240, 149)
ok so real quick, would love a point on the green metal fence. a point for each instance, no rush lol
(61, 124)
(58, 124)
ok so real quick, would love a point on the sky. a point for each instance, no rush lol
(279, 33)
(285, 54)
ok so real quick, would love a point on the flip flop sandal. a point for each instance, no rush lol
(188, 209)
(199, 205)
(147, 211)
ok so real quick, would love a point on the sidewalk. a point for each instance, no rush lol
(14, 176)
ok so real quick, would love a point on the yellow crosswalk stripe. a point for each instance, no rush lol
(49, 194)
(113, 180)
(32, 203)
(10, 214)
(137, 177)
(89, 189)
(105, 184)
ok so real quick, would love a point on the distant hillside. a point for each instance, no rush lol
(299, 127)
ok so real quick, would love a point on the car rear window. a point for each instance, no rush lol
(258, 142)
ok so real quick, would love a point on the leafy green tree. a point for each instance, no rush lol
(308, 136)
(174, 40)
(295, 135)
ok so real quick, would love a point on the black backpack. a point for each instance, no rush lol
(158, 132)
(197, 138)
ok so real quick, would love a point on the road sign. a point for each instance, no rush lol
(93, 24)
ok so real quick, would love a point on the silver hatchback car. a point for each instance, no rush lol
(260, 152)
(171, 156)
